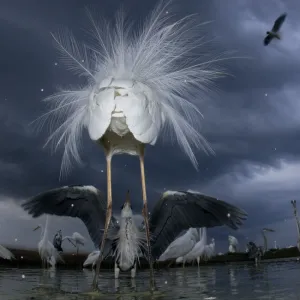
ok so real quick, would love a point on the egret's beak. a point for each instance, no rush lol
(127, 201)
(37, 228)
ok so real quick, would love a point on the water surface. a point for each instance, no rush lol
(274, 281)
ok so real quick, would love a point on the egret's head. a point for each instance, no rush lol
(36, 228)
(126, 211)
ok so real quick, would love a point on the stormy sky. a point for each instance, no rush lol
(252, 122)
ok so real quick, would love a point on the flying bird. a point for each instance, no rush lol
(274, 33)
(174, 212)
(138, 84)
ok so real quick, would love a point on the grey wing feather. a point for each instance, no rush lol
(84, 202)
(267, 40)
(175, 212)
(278, 23)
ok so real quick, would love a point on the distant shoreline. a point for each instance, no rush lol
(31, 258)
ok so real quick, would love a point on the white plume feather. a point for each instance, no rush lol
(163, 55)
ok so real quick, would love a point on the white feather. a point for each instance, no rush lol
(92, 258)
(198, 249)
(153, 77)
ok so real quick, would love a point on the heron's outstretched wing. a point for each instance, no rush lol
(268, 39)
(84, 202)
(278, 23)
(176, 211)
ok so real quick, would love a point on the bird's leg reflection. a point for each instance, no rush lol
(117, 285)
(107, 220)
(133, 284)
(145, 214)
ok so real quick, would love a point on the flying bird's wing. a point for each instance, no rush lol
(268, 39)
(278, 23)
(84, 202)
(176, 211)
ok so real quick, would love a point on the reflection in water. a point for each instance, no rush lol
(237, 282)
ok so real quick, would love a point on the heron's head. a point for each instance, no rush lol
(36, 228)
(126, 210)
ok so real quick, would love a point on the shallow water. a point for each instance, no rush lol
(279, 280)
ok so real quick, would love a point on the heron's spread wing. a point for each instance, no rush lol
(268, 39)
(84, 202)
(278, 23)
(176, 211)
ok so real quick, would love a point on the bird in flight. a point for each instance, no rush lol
(274, 33)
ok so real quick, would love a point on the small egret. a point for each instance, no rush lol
(47, 252)
(137, 84)
(174, 212)
(92, 259)
(233, 243)
(76, 240)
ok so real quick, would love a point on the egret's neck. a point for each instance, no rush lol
(46, 228)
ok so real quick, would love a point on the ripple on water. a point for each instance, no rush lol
(237, 281)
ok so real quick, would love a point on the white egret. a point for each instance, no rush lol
(198, 249)
(76, 240)
(181, 246)
(233, 243)
(137, 84)
(47, 251)
(209, 250)
(174, 212)
(92, 259)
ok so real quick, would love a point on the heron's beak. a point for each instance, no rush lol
(36, 228)
(127, 201)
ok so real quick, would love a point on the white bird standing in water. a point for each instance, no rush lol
(173, 213)
(76, 240)
(198, 250)
(47, 252)
(181, 246)
(137, 84)
(233, 243)
(209, 250)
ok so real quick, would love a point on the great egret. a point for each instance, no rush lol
(174, 212)
(233, 243)
(209, 250)
(138, 83)
(76, 240)
(198, 249)
(181, 246)
(47, 251)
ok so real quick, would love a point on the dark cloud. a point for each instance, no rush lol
(252, 123)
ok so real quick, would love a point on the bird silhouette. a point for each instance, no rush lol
(274, 33)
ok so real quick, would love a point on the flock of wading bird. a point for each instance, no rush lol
(136, 84)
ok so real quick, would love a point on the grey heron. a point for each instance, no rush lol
(255, 252)
(175, 211)
(137, 84)
(274, 33)
(57, 241)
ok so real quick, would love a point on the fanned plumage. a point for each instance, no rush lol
(162, 56)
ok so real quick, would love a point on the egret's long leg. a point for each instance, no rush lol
(146, 215)
(107, 221)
